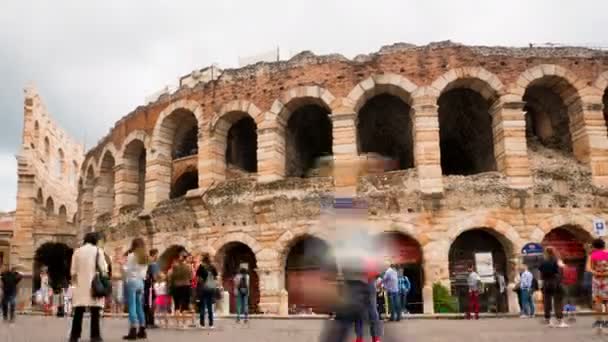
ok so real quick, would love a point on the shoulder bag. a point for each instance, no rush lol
(101, 286)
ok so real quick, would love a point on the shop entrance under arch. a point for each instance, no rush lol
(233, 257)
(56, 257)
(406, 253)
(462, 255)
(569, 241)
(310, 262)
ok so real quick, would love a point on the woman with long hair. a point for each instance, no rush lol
(180, 280)
(135, 274)
(553, 292)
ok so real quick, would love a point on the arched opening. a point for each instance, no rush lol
(308, 137)
(480, 247)
(605, 102)
(184, 183)
(63, 214)
(310, 262)
(60, 164)
(168, 257)
(39, 198)
(47, 150)
(50, 206)
(36, 137)
(385, 127)
(569, 241)
(57, 258)
(406, 253)
(233, 257)
(465, 133)
(74, 172)
(242, 145)
(185, 139)
(104, 191)
(87, 198)
(135, 173)
(547, 117)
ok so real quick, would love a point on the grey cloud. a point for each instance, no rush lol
(93, 62)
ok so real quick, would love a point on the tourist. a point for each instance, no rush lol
(149, 293)
(163, 300)
(10, 280)
(525, 288)
(391, 284)
(68, 295)
(372, 315)
(135, 271)
(597, 264)
(404, 289)
(86, 260)
(553, 292)
(207, 288)
(45, 291)
(180, 285)
(194, 300)
(241, 292)
(473, 284)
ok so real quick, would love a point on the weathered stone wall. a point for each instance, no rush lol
(533, 190)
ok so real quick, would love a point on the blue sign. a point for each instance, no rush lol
(532, 248)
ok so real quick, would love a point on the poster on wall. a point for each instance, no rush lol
(484, 264)
(599, 227)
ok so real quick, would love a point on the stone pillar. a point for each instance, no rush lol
(510, 148)
(428, 300)
(272, 283)
(427, 154)
(86, 210)
(22, 244)
(271, 150)
(589, 141)
(158, 180)
(212, 157)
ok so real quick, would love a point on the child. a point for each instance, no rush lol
(163, 300)
(570, 310)
(67, 300)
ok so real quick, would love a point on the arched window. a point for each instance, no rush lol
(60, 164)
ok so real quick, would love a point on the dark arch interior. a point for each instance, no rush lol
(462, 255)
(308, 137)
(605, 102)
(310, 253)
(186, 135)
(141, 177)
(465, 130)
(547, 120)
(385, 127)
(185, 182)
(57, 257)
(237, 254)
(242, 145)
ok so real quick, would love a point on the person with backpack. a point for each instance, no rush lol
(241, 292)
(206, 289)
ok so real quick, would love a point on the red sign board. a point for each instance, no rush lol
(401, 250)
(566, 245)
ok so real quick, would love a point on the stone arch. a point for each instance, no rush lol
(505, 232)
(36, 138)
(465, 97)
(545, 226)
(183, 118)
(234, 134)
(243, 238)
(90, 165)
(50, 206)
(60, 164)
(601, 84)
(384, 123)
(388, 83)
(104, 192)
(184, 181)
(47, 150)
(132, 165)
(63, 213)
(302, 116)
(56, 257)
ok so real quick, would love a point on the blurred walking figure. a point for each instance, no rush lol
(10, 281)
(553, 292)
(149, 293)
(391, 284)
(241, 291)
(135, 271)
(372, 314)
(163, 300)
(85, 262)
(473, 282)
(597, 264)
(180, 280)
(206, 289)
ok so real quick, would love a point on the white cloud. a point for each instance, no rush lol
(8, 182)
(93, 62)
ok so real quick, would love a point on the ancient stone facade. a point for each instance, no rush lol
(506, 141)
(49, 164)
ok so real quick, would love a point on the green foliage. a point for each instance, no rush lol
(443, 301)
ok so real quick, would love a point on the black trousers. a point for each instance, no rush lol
(206, 299)
(553, 298)
(8, 307)
(149, 299)
(77, 322)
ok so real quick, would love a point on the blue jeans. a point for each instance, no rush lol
(526, 302)
(135, 300)
(8, 307)
(404, 301)
(242, 306)
(395, 303)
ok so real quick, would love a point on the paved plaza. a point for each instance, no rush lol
(34, 329)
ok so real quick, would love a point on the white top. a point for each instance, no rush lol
(133, 270)
(161, 288)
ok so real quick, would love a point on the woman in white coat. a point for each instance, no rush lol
(83, 271)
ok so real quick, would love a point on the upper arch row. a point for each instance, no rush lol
(572, 89)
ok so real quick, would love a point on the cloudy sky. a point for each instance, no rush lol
(94, 61)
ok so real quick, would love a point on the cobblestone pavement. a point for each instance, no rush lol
(34, 329)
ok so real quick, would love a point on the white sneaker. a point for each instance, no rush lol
(563, 324)
(211, 327)
(523, 316)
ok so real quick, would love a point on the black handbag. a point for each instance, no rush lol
(101, 286)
